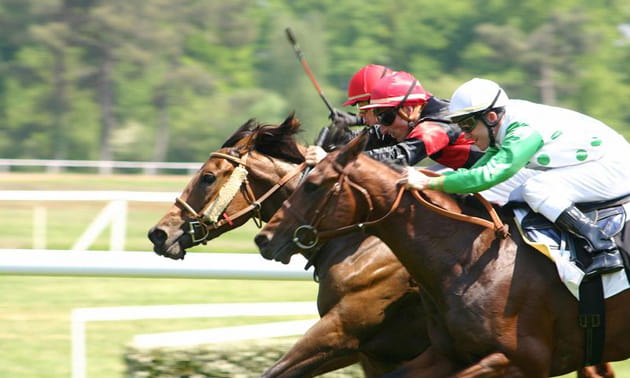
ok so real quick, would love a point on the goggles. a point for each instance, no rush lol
(468, 122)
(387, 116)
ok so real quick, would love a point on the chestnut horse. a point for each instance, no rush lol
(491, 303)
(370, 308)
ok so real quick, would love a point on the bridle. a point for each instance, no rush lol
(207, 219)
(306, 236)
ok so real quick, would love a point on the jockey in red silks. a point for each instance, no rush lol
(406, 123)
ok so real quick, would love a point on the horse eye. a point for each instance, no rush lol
(310, 187)
(208, 178)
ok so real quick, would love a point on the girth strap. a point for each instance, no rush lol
(592, 319)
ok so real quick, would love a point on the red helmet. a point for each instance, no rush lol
(392, 89)
(363, 81)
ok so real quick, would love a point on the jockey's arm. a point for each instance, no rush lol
(520, 144)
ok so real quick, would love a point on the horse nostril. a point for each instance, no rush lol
(157, 236)
(261, 241)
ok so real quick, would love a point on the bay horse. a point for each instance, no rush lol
(369, 306)
(494, 306)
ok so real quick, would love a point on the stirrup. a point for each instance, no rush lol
(612, 262)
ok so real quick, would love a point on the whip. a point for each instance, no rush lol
(307, 69)
(323, 134)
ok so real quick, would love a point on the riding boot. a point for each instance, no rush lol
(602, 248)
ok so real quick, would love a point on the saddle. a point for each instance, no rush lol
(568, 251)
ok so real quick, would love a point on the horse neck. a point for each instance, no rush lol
(431, 246)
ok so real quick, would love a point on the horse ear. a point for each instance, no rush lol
(240, 133)
(351, 151)
(291, 125)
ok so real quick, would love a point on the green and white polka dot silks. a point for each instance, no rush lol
(569, 138)
(543, 138)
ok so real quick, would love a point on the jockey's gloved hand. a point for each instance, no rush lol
(411, 178)
(345, 119)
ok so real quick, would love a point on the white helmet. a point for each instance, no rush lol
(476, 96)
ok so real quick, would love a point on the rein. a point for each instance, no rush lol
(309, 230)
(207, 219)
(500, 229)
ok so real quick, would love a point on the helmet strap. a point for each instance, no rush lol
(492, 139)
(491, 125)
(412, 116)
(403, 114)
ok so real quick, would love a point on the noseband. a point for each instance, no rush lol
(208, 218)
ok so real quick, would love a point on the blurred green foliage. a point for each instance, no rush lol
(164, 80)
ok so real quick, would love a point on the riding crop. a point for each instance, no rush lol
(323, 134)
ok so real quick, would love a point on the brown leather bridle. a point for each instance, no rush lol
(306, 236)
(203, 225)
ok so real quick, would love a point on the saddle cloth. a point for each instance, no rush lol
(567, 251)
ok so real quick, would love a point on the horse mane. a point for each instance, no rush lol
(277, 141)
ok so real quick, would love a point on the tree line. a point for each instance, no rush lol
(171, 80)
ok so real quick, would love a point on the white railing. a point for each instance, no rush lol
(148, 264)
(103, 166)
(114, 213)
(86, 195)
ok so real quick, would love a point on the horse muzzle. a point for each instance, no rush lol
(167, 244)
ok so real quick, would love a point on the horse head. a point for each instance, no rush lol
(238, 182)
(330, 204)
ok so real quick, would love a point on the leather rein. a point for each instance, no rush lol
(203, 225)
(307, 236)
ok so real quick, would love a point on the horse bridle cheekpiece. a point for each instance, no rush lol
(208, 218)
(307, 236)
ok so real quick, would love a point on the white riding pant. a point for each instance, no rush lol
(507, 191)
(552, 191)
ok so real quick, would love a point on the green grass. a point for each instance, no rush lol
(35, 315)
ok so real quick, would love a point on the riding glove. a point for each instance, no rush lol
(344, 119)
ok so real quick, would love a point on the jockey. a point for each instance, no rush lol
(408, 124)
(571, 158)
(359, 92)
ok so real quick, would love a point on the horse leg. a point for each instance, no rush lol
(431, 364)
(491, 366)
(603, 370)
(323, 348)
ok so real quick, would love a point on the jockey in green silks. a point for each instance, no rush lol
(552, 157)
